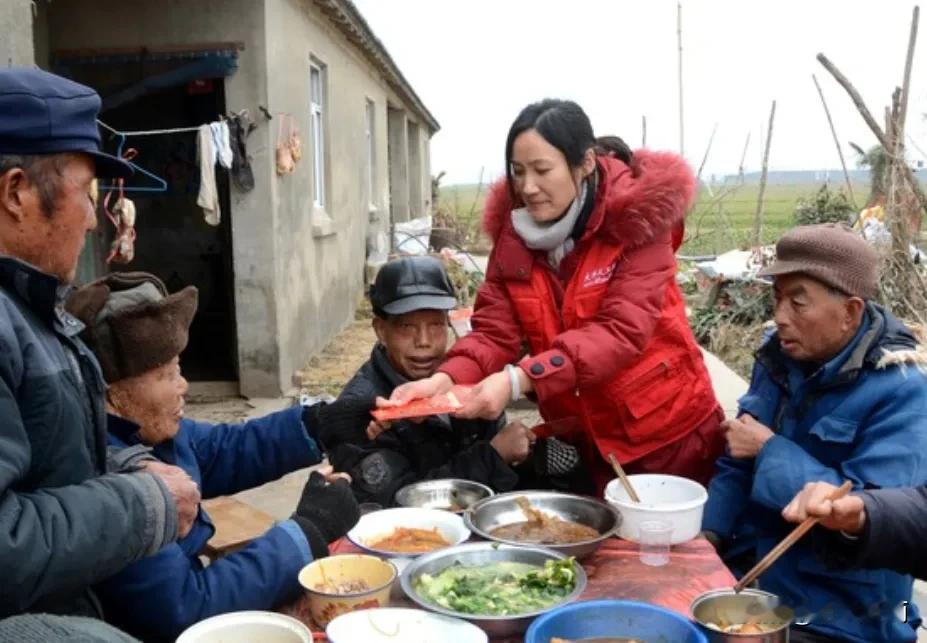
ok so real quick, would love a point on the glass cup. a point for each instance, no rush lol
(369, 507)
(655, 538)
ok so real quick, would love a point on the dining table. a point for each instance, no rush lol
(613, 571)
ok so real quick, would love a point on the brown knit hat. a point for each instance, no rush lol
(831, 253)
(133, 324)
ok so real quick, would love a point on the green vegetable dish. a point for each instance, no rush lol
(499, 589)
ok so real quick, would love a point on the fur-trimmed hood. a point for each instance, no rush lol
(634, 204)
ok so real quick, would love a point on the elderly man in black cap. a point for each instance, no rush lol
(836, 395)
(65, 520)
(411, 298)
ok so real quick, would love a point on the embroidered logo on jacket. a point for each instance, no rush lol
(598, 276)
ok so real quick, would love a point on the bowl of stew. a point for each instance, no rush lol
(569, 524)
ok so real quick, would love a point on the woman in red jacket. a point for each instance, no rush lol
(582, 274)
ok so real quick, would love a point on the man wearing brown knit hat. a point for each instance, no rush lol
(836, 394)
(137, 331)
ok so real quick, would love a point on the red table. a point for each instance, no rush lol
(615, 571)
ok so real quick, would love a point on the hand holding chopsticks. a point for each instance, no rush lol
(787, 542)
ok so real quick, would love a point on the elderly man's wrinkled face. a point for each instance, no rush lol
(814, 322)
(154, 400)
(50, 236)
(415, 342)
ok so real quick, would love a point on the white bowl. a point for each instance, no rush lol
(677, 500)
(376, 525)
(399, 625)
(246, 627)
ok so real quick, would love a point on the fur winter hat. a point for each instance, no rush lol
(133, 324)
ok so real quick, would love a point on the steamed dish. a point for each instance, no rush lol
(543, 528)
(409, 540)
(499, 589)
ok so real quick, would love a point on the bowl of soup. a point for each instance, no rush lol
(569, 524)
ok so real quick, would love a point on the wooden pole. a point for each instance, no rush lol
(873, 125)
(906, 84)
(682, 136)
(711, 139)
(743, 157)
(758, 219)
(856, 98)
(833, 131)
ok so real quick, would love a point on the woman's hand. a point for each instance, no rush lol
(488, 399)
(420, 389)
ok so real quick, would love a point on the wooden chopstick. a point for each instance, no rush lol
(787, 542)
(624, 479)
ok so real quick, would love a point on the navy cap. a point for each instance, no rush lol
(412, 283)
(41, 113)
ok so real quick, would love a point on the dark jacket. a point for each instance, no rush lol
(862, 417)
(439, 447)
(160, 596)
(65, 522)
(894, 536)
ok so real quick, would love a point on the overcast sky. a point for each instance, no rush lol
(476, 63)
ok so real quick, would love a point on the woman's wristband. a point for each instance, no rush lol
(513, 380)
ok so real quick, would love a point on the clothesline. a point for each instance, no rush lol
(150, 132)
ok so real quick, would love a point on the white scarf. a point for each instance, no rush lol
(553, 236)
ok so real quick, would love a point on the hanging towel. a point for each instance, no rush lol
(208, 198)
(220, 140)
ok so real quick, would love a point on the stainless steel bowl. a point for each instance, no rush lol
(442, 494)
(475, 555)
(726, 606)
(487, 515)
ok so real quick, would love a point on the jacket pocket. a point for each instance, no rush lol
(835, 429)
(652, 391)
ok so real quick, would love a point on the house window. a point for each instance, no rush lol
(370, 133)
(317, 125)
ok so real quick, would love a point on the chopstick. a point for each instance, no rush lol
(624, 479)
(787, 542)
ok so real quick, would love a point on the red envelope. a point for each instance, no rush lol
(442, 403)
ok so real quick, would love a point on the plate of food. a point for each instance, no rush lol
(573, 525)
(340, 584)
(408, 531)
(500, 588)
(449, 494)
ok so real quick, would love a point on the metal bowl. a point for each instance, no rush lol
(475, 555)
(487, 515)
(724, 605)
(442, 494)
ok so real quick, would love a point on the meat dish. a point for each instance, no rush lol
(543, 528)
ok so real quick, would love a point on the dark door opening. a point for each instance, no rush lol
(174, 241)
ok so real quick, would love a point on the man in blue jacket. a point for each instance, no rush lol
(67, 520)
(137, 331)
(835, 395)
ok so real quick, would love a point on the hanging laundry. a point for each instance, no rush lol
(208, 198)
(122, 216)
(240, 127)
(285, 162)
(220, 140)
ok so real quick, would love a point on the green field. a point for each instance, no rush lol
(716, 224)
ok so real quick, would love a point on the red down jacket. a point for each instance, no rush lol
(608, 339)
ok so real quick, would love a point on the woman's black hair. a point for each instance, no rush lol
(614, 146)
(563, 124)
